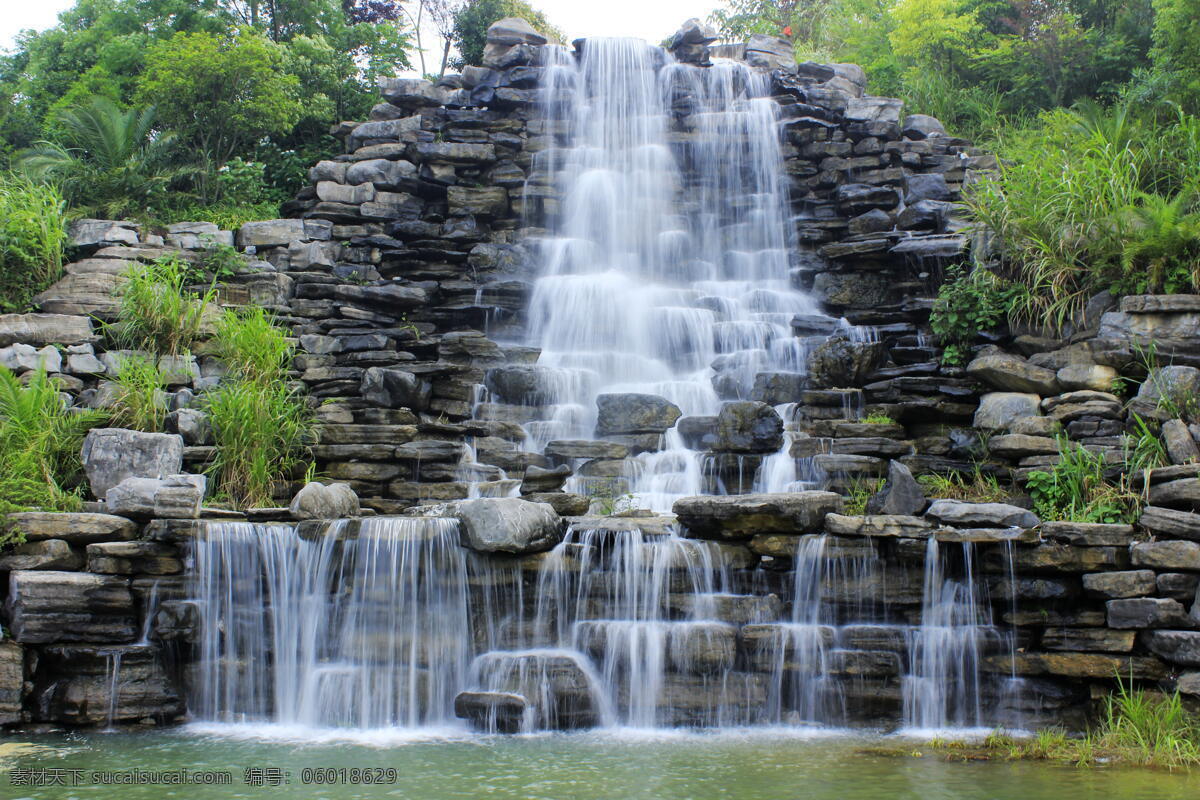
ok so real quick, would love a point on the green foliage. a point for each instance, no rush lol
(1175, 52)
(261, 425)
(1077, 489)
(878, 419)
(860, 492)
(226, 217)
(217, 264)
(1149, 728)
(797, 20)
(40, 440)
(977, 487)
(469, 32)
(220, 93)
(968, 303)
(241, 182)
(139, 394)
(157, 312)
(252, 346)
(109, 162)
(32, 236)
(1091, 200)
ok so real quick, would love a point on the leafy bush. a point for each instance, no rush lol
(968, 303)
(40, 440)
(157, 312)
(877, 419)
(226, 216)
(140, 400)
(261, 425)
(32, 234)
(242, 183)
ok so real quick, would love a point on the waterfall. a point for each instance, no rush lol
(669, 249)
(362, 631)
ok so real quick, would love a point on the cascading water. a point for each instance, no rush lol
(665, 270)
(369, 631)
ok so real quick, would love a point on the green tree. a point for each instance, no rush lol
(932, 33)
(800, 21)
(220, 94)
(1176, 51)
(469, 31)
(108, 161)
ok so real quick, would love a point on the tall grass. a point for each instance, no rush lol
(40, 440)
(261, 425)
(32, 236)
(1078, 489)
(140, 400)
(157, 311)
(1094, 199)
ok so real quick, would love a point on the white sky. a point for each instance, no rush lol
(652, 20)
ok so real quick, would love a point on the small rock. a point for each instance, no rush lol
(507, 525)
(997, 515)
(900, 495)
(171, 497)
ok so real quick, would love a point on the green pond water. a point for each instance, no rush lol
(762, 765)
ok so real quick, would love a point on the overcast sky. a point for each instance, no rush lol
(652, 20)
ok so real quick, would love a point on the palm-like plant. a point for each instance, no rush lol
(108, 161)
(1162, 243)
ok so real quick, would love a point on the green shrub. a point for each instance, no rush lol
(1077, 489)
(32, 235)
(140, 400)
(968, 303)
(877, 419)
(242, 183)
(157, 313)
(40, 440)
(977, 487)
(261, 425)
(218, 263)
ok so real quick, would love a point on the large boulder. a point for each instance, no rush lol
(1167, 391)
(69, 607)
(320, 501)
(170, 497)
(1011, 373)
(744, 516)
(634, 413)
(1178, 647)
(507, 525)
(749, 427)
(769, 52)
(110, 455)
(76, 528)
(999, 410)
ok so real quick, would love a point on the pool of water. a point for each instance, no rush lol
(758, 765)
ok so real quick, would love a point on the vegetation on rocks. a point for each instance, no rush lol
(32, 236)
(968, 303)
(1139, 727)
(157, 311)
(40, 438)
(139, 394)
(261, 424)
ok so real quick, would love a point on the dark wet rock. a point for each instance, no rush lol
(69, 607)
(749, 427)
(900, 495)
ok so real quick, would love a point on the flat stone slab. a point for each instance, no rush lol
(743, 516)
(73, 527)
